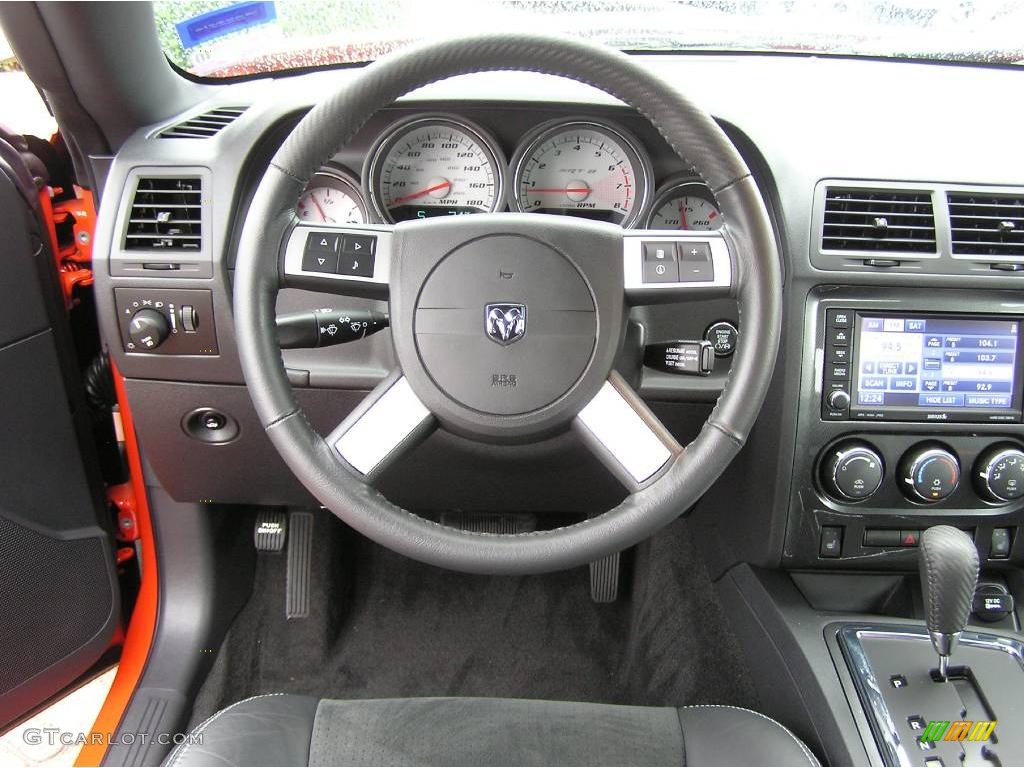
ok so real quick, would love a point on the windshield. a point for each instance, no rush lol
(223, 39)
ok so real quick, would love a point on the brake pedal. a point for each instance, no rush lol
(300, 565)
(270, 532)
(604, 579)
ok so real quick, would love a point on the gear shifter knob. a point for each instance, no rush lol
(949, 574)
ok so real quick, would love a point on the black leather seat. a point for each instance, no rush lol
(280, 729)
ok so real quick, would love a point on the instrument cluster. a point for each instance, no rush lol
(439, 164)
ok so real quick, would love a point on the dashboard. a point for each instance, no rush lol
(442, 164)
(897, 398)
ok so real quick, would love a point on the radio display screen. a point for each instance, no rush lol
(941, 364)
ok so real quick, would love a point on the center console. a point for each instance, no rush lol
(910, 415)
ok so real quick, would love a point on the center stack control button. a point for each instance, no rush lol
(852, 471)
(929, 474)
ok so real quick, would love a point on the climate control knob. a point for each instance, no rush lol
(852, 471)
(929, 474)
(148, 329)
(999, 473)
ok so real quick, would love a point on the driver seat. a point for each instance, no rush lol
(282, 729)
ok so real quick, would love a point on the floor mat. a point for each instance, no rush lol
(382, 625)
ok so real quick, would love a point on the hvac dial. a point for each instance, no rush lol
(332, 197)
(434, 166)
(581, 168)
(684, 205)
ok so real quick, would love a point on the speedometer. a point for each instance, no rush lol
(434, 166)
(581, 168)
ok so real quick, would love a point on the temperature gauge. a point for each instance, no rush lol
(685, 205)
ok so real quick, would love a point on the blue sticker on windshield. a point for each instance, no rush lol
(224, 21)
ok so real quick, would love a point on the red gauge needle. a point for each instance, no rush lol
(323, 216)
(683, 224)
(421, 193)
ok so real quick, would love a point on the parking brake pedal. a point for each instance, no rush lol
(270, 532)
(300, 565)
(604, 579)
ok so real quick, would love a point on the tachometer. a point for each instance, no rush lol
(581, 168)
(434, 166)
(684, 205)
(332, 197)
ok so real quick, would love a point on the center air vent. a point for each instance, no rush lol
(203, 126)
(166, 215)
(877, 220)
(985, 224)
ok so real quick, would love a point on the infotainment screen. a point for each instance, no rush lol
(952, 367)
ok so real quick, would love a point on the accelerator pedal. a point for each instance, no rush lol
(604, 579)
(300, 565)
(270, 532)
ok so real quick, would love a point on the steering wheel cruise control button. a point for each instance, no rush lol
(660, 263)
(695, 264)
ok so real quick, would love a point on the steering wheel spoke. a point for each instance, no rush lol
(662, 267)
(389, 422)
(625, 435)
(351, 260)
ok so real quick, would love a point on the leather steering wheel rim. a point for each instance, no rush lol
(691, 133)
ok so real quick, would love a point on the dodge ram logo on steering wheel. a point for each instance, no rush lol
(505, 323)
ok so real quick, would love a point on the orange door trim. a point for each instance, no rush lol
(139, 637)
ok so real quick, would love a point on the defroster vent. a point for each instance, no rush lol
(878, 220)
(203, 126)
(166, 215)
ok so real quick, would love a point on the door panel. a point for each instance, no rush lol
(59, 603)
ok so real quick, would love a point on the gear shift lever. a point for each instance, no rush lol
(948, 565)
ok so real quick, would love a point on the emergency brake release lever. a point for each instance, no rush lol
(327, 327)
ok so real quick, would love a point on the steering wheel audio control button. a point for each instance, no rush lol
(321, 252)
(354, 264)
(358, 245)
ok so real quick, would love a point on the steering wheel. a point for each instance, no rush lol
(506, 326)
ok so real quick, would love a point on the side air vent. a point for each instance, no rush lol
(205, 125)
(166, 215)
(985, 224)
(878, 220)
